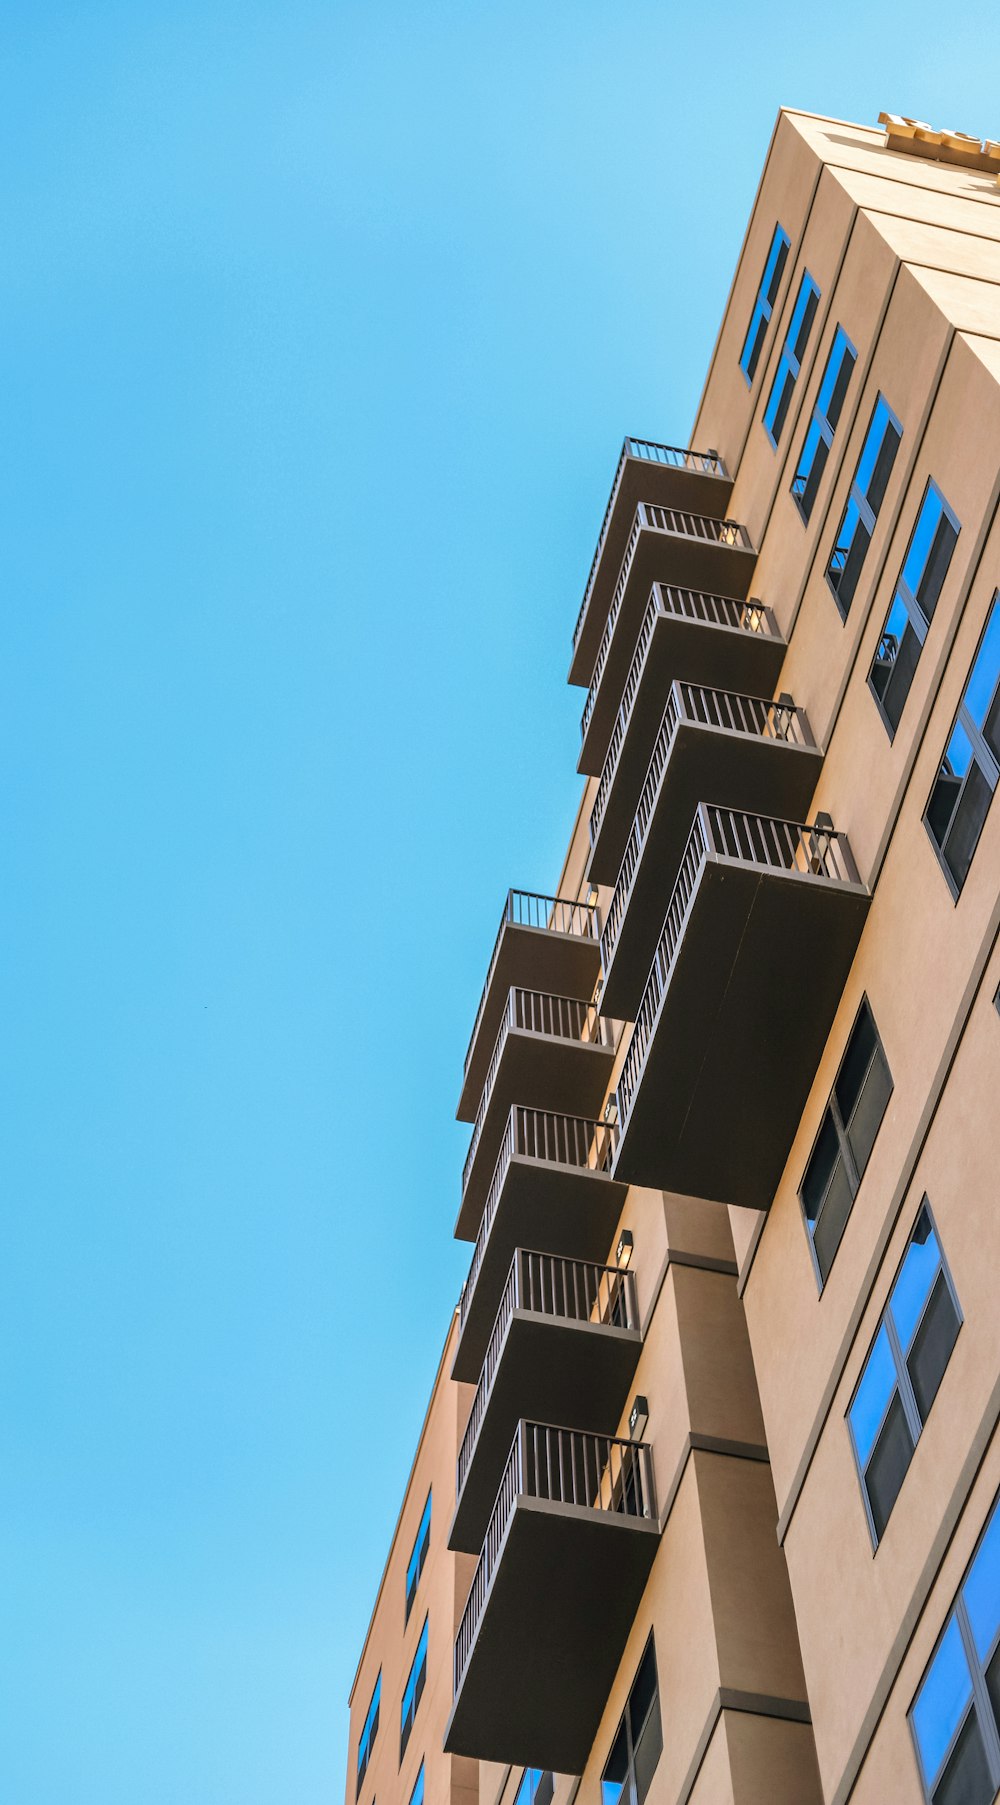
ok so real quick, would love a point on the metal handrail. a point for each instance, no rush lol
(667, 602)
(552, 914)
(730, 712)
(547, 1285)
(566, 1466)
(813, 853)
(537, 1012)
(678, 523)
(542, 1134)
(708, 462)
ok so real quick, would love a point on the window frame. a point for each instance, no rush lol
(369, 1731)
(816, 418)
(418, 1556)
(779, 248)
(789, 355)
(979, 1699)
(963, 718)
(628, 1792)
(867, 517)
(904, 1384)
(916, 618)
(417, 1677)
(845, 1152)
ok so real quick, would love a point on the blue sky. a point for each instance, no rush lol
(321, 326)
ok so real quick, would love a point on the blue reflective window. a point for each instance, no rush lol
(767, 294)
(925, 567)
(903, 1371)
(638, 1741)
(954, 1715)
(415, 1566)
(867, 491)
(970, 769)
(413, 1690)
(790, 361)
(536, 1787)
(417, 1795)
(369, 1731)
(825, 418)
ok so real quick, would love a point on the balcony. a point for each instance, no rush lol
(555, 1053)
(666, 475)
(687, 551)
(695, 638)
(750, 966)
(546, 942)
(745, 753)
(565, 1560)
(551, 1189)
(566, 1337)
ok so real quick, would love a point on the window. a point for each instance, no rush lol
(368, 1734)
(637, 1745)
(925, 567)
(413, 1691)
(418, 1558)
(417, 1795)
(954, 1715)
(767, 294)
(536, 1788)
(970, 768)
(823, 425)
(867, 492)
(903, 1371)
(845, 1140)
(790, 361)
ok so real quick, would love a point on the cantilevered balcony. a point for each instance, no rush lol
(565, 1560)
(566, 1343)
(544, 942)
(551, 1189)
(555, 1053)
(686, 551)
(744, 752)
(748, 971)
(695, 638)
(665, 475)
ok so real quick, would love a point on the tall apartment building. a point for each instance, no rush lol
(713, 1458)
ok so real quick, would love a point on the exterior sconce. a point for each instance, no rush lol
(623, 1252)
(592, 896)
(611, 1111)
(638, 1417)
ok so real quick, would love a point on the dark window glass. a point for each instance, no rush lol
(767, 294)
(932, 1346)
(413, 1691)
(888, 1465)
(864, 500)
(790, 361)
(966, 1779)
(969, 771)
(925, 567)
(825, 415)
(369, 1731)
(415, 1565)
(638, 1742)
(536, 1787)
(845, 1140)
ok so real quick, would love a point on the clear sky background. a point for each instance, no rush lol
(321, 327)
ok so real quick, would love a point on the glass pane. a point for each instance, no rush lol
(844, 371)
(775, 268)
(941, 1701)
(916, 1275)
(887, 450)
(921, 540)
(993, 1684)
(802, 319)
(981, 687)
(832, 1220)
(809, 450)
(931, 1350)
(966, 1779)
(866, 1120)
(855, 1062)
(872, 446)
(754, 340)
(647, 1752)
(878, 1381)
(901, 677)
(982, 1589)
(845, 538)
(945, 540)
(780, 396)
(616, 1771)
(825, 1155)
(852, 568)
(967, 823)
(643, 1693)
(943, 798)
(889, 1464)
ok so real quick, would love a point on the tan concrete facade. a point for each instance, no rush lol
(724, 1501)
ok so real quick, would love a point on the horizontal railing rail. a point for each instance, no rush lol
(815, 853)
(708, 463)
(691, 702)
(548, 1285)
(679, 525)
(525, 909)
(565, 1466)
(536, 1012)
(541, 1134)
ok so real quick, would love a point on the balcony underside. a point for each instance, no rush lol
(546, 1207)
(659, 557)
(692, 652)
(563, 1599)
(704, 764)
(533, 959)
(692, 491)
(559, 1370)
(755, 981)
(570, 1077)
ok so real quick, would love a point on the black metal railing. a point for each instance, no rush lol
(551, 914)
(566, 1466)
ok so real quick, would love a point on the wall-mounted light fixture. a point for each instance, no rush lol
(593, 895)
(638, 1417)
(623, 1252)
(611, 1110)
